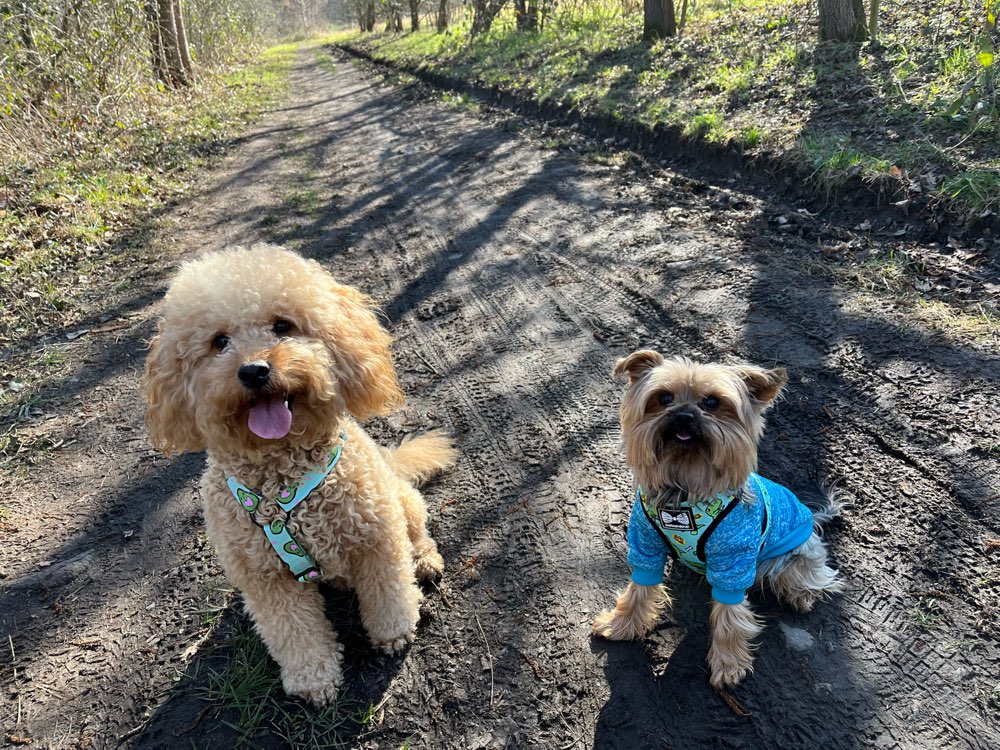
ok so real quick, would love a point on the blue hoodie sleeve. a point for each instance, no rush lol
(647, 552)
(731, 558)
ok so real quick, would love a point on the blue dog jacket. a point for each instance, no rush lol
(723, 537)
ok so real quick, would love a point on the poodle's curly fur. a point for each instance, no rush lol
(365, 525)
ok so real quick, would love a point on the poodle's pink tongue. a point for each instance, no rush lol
(271, 418)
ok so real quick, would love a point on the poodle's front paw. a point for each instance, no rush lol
(393, 646)
(428, 563)
(728, 668)
(318, 682)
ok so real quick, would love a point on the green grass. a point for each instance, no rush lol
(920, 101)
(460, 101)
(248, 688)
(62, 210)
(977, 188)
(751, 136)
(837, 156)
(930, 613)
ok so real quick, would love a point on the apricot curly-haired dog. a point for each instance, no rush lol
(263, 360)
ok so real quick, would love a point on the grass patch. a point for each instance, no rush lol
(835, 158)
(930, 613)
(64, 211)
(248, 688)
(460, 101)
(978, 188)
(922, 101)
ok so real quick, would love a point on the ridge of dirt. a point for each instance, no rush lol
(512, 276)
(896, 201)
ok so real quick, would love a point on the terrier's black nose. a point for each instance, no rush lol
(255, 374)
(684, 418)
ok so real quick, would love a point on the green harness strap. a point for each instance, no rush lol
(281, 539)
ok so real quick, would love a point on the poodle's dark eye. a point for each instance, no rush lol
(281, 326)
(221, 341)
(666, 398)
(710, 403)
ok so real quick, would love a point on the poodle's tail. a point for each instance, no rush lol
(419, 458)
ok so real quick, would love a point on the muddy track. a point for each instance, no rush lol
(512, 276)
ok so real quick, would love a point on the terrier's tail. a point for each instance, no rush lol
(826, 501)
(419, 458)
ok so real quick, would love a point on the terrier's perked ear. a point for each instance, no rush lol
(764, 385)
(637, 364)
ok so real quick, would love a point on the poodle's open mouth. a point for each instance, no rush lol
(270, 416)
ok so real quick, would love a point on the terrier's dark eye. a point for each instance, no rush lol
(710, 403)
(281, 327)
(221, 341)
(666, 398)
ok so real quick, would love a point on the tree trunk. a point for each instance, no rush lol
(157, 56)
(167, 60)
(842, 21)
(658, 19)
(414, 15)
(442, 15)
(483, 13)
(873, 20)
(526, 13)
(182, 44)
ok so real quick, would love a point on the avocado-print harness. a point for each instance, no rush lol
(281, 539)
(686, 526)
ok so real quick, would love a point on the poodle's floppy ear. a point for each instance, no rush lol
(169, 413)
(764, 385)
(361, 347)
(637, 364)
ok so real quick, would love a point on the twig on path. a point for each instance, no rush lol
(195, 723)
(533, 664)
(13, 661)
(131, 733)
(489, 655)
(734, 705)
(424, 359)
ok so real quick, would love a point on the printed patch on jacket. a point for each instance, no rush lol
(681, 519)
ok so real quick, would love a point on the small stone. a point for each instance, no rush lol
(797, 638)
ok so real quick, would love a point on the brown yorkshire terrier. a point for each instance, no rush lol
(690, 433)
(266, 362)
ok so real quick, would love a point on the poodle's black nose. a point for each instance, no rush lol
(255, 374)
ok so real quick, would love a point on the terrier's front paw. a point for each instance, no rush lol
(804, 600)
(615, 625)
(728, 668)
(318, 682)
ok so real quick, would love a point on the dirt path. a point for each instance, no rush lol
(513, 274)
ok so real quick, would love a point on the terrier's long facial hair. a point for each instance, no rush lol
(693, 427)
